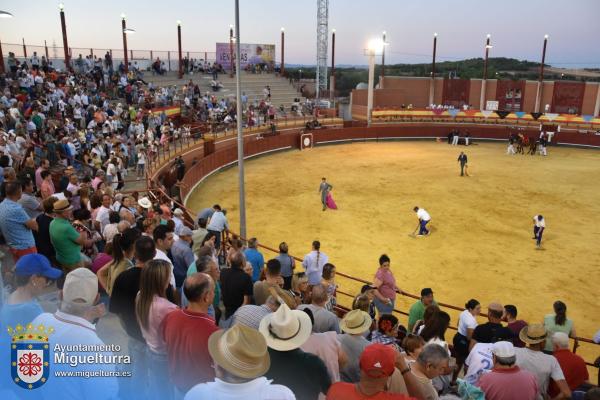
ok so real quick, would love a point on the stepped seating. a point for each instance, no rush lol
(282, 92)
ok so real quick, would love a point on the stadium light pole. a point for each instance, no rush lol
(432, 81)
(382, 61)
(240, 134)
(375, 47)
(3, 14)
(180, 74)
(488, 46)
(63, 25)
(231, 50)
(282, 50)
(123, 28)
(540, 88)
(332, 78)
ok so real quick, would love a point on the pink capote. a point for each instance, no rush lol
(330, 203)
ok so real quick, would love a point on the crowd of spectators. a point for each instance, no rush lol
(202, 312)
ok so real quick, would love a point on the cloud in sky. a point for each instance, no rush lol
(517, 27)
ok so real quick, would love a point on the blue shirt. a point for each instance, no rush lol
(183, 257)
(12, 225)
(257, 260)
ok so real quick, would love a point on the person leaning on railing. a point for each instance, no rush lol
(385, 287)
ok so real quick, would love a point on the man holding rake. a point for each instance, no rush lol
(424, 219)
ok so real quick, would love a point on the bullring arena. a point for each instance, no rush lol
(480, 245)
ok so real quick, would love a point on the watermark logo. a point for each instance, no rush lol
(30, 355)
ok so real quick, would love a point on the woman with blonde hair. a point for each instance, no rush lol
(151, 308)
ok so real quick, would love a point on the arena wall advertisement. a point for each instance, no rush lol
(250, 54)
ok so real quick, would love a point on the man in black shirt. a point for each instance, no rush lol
(492, 331)
(122, 303)
(236, 288)
(304, 373)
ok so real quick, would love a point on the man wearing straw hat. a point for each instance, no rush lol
(240, 360)
(354, 325)
(304, 373)
(66, 240)
(543, 366)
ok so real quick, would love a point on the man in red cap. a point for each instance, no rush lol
(377, 364)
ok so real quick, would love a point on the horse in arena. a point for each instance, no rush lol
(532, 147)
(522, 142)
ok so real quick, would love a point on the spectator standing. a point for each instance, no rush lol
(354, 325)
(31, 204)
(325, 320)
(72, 323)
(123, 246)
(163, 239)
(313, 263)
(387, 331)
(261, 289)
(47, 186)
(506, 381)
(182, 254)
(467, 323)
(543, 366)
(218, 224)
(572, 365)
(15, 224)
(288, 264)
(42, 235)
(151, 308)
(385, 287)
(305, 374)
(514, 324)
(236, 287)
(240, 358)
(187, 332)
(122, 303)
(558, 322)
(417, 310)
(492, 331)
(254, 257)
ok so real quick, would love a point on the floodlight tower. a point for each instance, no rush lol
(322, 42)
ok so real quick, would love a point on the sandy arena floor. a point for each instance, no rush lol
(481, 244)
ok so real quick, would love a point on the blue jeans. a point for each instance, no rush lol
(158, 383)
(383, 308)
(538, 232)
(422, 228)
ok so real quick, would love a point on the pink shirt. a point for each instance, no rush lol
(326, 346)
(508, 384)
(154, 334)
(388, 286)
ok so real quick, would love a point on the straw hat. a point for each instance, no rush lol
(356, 321)
(286, 329)
(61, 206)
(240, 350)
(533, 334)
(145, 202)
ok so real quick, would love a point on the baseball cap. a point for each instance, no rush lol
(36, 264)
(426, 292)
(378, 360)
(81, 286)
(503, 349)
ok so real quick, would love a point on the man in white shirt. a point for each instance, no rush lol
(479, 361)
(102, 217)
(163, 240)
(543, 366)
(218, 223)
(539, 225)
(72, 325)
(241, 358)
(424, 219)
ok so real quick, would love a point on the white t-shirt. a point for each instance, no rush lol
(543, 366)
(423, 215)
(466, 321)
(538, 223)
(161, 255)
(259, 389)
(102, 217)
(479, 361)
